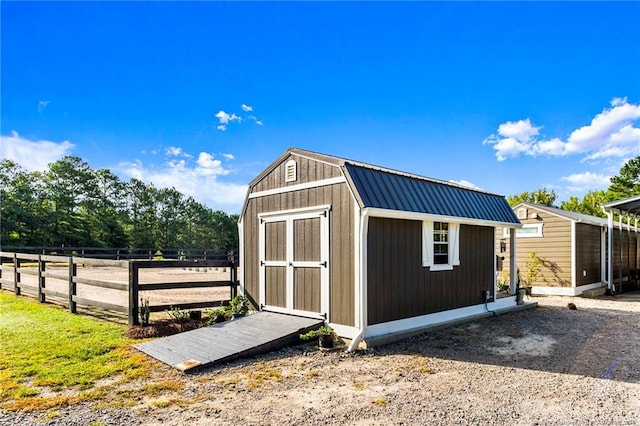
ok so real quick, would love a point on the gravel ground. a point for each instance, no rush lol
(544, 366)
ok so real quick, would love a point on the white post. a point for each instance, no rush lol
(513, 276)
(610, 251)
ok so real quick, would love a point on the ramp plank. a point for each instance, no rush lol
(243, 337)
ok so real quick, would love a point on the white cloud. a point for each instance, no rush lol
(199, 178)
(228, 156)
(42, 105)
(521, 130)
(224, 118)
(466, 183)
(582, 182)
(175, 151)
(612, 133)
(255, 119)
(33, 155)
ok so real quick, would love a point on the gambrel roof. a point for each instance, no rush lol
(387, 189)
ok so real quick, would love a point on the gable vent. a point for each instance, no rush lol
(291, 172)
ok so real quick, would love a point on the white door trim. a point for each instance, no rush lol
(289, 216)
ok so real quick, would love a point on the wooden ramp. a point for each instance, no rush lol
(243, 337)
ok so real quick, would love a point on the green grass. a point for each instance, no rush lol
(42, 346)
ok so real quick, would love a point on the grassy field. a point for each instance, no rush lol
(50, 358)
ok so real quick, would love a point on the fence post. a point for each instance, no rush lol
(234, 280)
(1, 258)
(133, 294)
(16, 274)
(41, 279)
(73, 307)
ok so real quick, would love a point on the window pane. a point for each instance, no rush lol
(440, 248)
(440, 243)
(441, 259)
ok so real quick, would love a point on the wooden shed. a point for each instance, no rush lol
(570, 246)
(623, 242)
(375, 252)
(574, 248)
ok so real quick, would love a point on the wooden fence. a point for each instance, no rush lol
(123, 253)
(13, 267)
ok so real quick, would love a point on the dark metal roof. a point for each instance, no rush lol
(630, 205)
(390, 190)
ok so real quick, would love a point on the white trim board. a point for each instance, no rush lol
(398, 214)
(564, 291)
(298, 187)
(438, 318)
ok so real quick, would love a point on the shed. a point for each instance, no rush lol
(375, 252)
(623, 243)
(574, 248)
(570, 246)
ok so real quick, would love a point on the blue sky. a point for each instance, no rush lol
(202, 96)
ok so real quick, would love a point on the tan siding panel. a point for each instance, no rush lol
(306, 240)
(308, 171)
(306, 289)
(341, 285)
(275, 244)
(275, 283)
(553, 249)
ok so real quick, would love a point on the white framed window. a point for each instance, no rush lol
(528, 230)
(290, 171)
(440, 245)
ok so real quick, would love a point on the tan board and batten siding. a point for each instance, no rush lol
(553, 248)
(341, 249)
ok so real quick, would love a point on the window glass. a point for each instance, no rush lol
(440, 243)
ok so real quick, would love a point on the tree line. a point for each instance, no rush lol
(71, 204)
(624, 185)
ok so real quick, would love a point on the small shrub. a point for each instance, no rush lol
(239, 305)
(178, 315)
(217, 315)
(314, 334)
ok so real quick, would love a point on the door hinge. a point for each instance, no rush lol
(323, 263)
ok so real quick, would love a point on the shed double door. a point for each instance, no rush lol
(294, 262)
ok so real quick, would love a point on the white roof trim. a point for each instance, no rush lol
(398, 214)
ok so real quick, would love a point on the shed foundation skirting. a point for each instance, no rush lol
(564, 291)
(395, 330)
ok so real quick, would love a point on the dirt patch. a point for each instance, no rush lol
(549, 365)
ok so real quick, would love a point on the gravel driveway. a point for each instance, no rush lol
(546, 366)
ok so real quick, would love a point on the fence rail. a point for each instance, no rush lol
(12, 267)
(122, 253)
